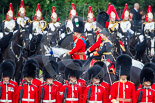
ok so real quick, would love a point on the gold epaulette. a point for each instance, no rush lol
(131, 82)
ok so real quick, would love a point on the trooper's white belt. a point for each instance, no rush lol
(5, 101)
(95, 102)
(47, 101)
(28, 100)
(71, 99)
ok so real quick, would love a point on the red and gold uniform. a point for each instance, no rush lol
(58, 84)
(74, 93)
(98, 94)
(78, 51)
(50, 93)
(148, 95)
(82, 84)
(123, 91)
(30, 94)
(8, 93)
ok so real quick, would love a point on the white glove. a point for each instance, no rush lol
(30, 36)
(91, 54)
(1, 35)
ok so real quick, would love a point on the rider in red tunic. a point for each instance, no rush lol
(78, 51)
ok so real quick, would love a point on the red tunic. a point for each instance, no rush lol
(106, 85)
(98, 94)
(82, 84)
(78, 52)
(8, 93)
(34, 81)
(123, 92)
(58, 84)
(30, 94)
(50, 94)
(74, 94)
(148, 95)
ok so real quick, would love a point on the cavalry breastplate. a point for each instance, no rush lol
(149, 26)
(9, 25)
(22, 21)
(90, 26)
(69, 25)
(53, 25)
(125, 25)
(38, 27)
(113, 25)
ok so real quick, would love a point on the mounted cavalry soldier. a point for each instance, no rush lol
(90, 26)
(39, 26)
(69, 25)
(28, 90)
(95, 92)
(148, 30)
(146, 94)
(123, 91)
(125, 31)
(48, 91)
(8, 88)
(78, 51)
(113, 29)
(71, 92)
(22, 20)
(8, 27)
(54, 20)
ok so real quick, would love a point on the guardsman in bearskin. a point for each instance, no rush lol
(148, 29)
(78, 51)
(123, 91)
(146, 94)
(151, 66)
(39, 26)
(7, 88)
(35, 80)
(8, 27)
(28, 90)
(125, 25)
(95, 92)
(54, 20)
(48, 91)
(71, 92)
(104, 83)
(69, 24)
(90, 26)
(22, 20)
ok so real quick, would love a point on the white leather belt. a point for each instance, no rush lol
(5, 101)
(49, 101)
(28, 100)
(71, 99)
(95, 102)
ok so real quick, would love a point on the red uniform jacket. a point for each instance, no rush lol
(82, 84)
(78, 52)
(148, 95)
(120, 90)
(50, 93)
(8, 93)
(96, 45)
(74, 94)
(106, 85)
(58, 84)
(30, 94)
(98, 94)
(34, 81)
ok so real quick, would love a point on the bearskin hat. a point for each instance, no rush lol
(95, 72)
(7, 68)
(78, 24)
(30, 68)
(146, 75)
(123, 65)
(73, 68)
(50, 70)
(151, 66)
(102, 17)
